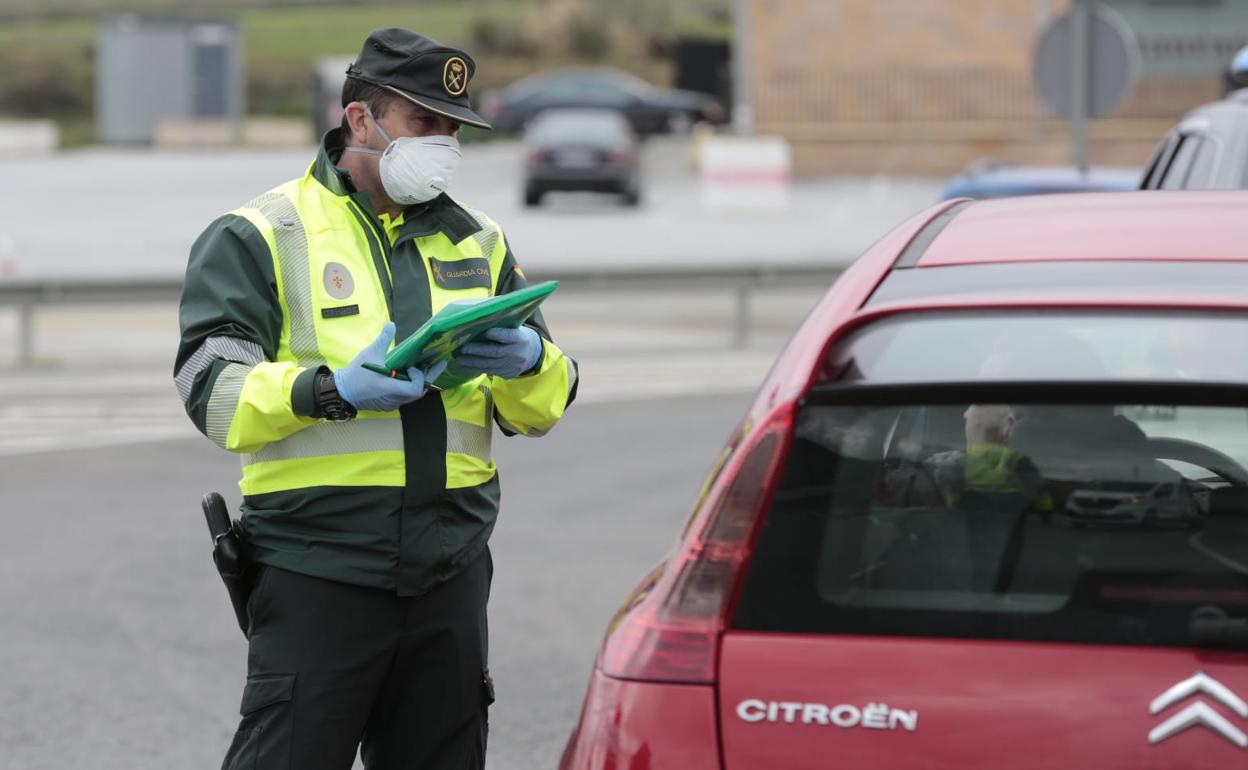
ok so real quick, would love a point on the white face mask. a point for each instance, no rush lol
(414, 169)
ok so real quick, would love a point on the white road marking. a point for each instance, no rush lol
(54, 411)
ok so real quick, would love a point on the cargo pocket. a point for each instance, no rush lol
(264, 735)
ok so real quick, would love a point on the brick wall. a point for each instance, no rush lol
(859, 85)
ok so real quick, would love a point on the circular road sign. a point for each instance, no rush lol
(1110, 65)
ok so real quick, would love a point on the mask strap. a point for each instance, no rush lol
(380, 130)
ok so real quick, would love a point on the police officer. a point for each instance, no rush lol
(367, 501)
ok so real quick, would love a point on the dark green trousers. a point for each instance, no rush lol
(335, 668)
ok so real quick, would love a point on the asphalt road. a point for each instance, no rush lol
(118, 646)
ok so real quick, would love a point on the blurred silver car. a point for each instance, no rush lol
(1208, 149)
(581, 150)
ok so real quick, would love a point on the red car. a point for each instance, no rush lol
(988, 509)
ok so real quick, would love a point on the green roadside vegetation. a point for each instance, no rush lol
(47, 47)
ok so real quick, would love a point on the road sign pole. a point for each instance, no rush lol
(1083, 66)
(1081, 83)
(742, 109)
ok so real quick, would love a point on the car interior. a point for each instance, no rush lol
(1089, 523)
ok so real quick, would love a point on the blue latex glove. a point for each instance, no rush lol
(369, 391)
(503, 352)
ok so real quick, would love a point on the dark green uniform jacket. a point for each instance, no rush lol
(305, 276)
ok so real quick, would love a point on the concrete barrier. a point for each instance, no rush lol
(745, 172)
(183, 134)
(277, 132)
(266, 132)
(26, 137)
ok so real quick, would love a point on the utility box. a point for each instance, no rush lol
(152, 69)
(705, 66)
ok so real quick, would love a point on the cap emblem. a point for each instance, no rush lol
(455, 76)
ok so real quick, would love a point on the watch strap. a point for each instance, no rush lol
(329, 402)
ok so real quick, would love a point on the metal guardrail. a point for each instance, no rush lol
(28, 296)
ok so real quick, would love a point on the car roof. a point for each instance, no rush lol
(1224, 118)
(1183, 225)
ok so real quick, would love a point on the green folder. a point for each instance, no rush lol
(456, 325)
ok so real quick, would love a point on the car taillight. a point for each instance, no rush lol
(538, 157)
(617, 159)
(668, 631)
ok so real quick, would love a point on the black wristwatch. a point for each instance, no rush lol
(329, 403)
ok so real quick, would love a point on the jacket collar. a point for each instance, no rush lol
(324, 168)
(440, 215)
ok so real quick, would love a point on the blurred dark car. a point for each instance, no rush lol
(580, 150)
(984, 180)
(650, 109)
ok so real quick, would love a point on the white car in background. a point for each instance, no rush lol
(1208, 149)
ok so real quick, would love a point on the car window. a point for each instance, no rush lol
(615, 80)
(1201, 174)
(581, 92)
(609, 129)
(1045, 346)
(1180, 167)
(1157, 163)
(1100, 523)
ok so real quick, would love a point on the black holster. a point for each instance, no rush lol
(229, 553)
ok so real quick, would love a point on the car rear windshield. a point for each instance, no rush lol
(1098, 522)
(1041, 345)
(574, 128)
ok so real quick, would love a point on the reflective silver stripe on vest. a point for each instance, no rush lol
(487, 236)
(573, 376)
(325, 439)
(214, 348)
(467, 438)
(292, 258)
(223, 402)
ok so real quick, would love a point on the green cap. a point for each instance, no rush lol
(419, 69)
